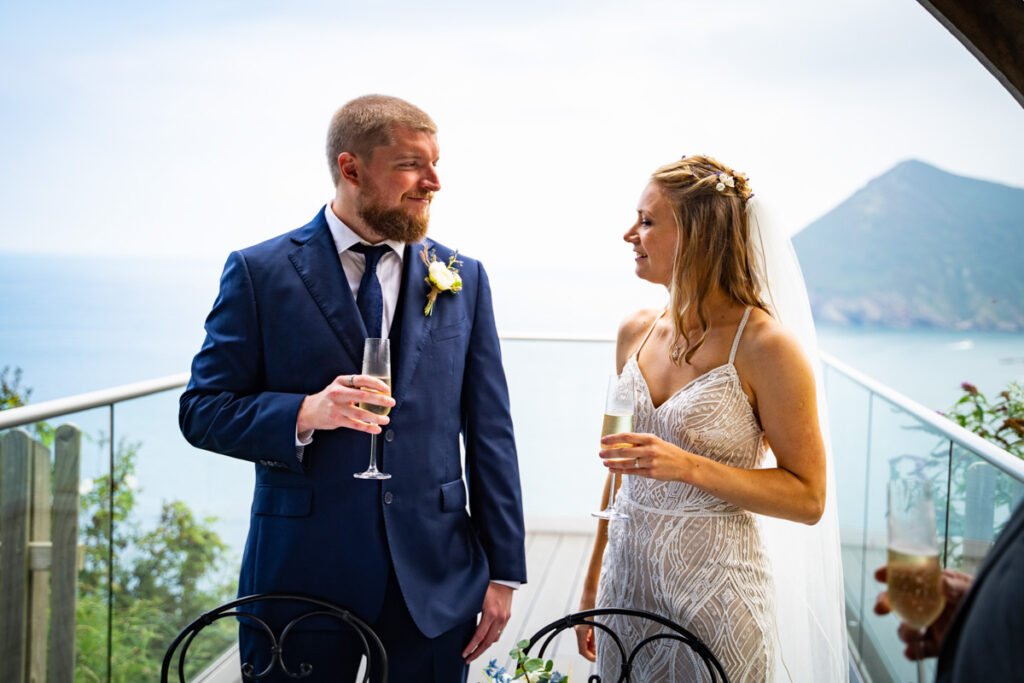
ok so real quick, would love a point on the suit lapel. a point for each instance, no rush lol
(317, 262)
(415, 325)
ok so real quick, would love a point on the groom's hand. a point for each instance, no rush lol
(335, 406)
(494, 615)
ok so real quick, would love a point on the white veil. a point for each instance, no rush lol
(806, 562)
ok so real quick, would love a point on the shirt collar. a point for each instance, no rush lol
(345, 237)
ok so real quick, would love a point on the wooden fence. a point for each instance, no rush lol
(38, 556)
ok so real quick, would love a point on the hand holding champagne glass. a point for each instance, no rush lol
(376, 363)
(618, 419)
(914, 572)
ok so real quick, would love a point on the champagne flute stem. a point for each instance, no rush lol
(922, 675)
(611, 494)
(373, 453)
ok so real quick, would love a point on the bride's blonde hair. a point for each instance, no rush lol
(709, 202)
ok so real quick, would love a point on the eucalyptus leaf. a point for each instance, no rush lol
(533, 664)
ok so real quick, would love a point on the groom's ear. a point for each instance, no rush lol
(348, 168)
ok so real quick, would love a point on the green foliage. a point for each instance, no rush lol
(529, 669)
(12, 395)
(1001, 421)
(163, 578)
(95, 528)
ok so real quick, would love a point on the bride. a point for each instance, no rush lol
(722, 535)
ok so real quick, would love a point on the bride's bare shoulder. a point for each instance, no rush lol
(631, 331)
(635, 325)
(766, 344)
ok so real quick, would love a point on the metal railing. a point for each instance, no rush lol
(984, 449)
(104, 398)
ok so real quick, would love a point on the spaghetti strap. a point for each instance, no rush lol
(647, 336)
(739, 333)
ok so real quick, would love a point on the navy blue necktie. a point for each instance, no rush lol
(370, 299)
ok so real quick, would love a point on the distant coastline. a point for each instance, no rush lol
(919, 248)
(866, 316)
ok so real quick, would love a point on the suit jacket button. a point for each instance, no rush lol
(389, 435)
(388, 497)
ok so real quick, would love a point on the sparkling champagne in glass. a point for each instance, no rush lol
(618, 418)
(376, 363)
(914, 572)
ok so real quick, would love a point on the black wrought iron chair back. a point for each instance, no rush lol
(373, 649)
(674, 632)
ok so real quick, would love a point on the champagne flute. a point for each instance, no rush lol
(618, 418)
(376, 363)
(914, 572)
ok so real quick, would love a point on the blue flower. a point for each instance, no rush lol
(495, 673)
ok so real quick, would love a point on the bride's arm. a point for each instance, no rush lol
(629, 334)
(782, 382)
(585, 634)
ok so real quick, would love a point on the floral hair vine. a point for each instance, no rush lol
(725, 180)
(442, 277)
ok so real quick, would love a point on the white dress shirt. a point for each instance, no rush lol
(389, 268)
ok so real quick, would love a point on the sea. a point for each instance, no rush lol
(75, 324)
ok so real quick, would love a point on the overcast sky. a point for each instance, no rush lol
(193, 128)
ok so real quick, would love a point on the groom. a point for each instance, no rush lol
(277, 382)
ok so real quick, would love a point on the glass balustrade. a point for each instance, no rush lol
(878, 435)
(180, 515)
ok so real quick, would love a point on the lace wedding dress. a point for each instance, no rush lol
(685, 554)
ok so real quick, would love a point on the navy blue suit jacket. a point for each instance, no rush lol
(284, 325)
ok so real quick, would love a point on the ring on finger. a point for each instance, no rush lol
(352, 381)
(636, 463)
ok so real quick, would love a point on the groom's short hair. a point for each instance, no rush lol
(365, 123)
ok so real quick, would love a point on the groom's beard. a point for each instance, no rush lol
(393, 224)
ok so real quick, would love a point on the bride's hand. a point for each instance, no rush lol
(585, 634)
(647, 456)
(585, 642)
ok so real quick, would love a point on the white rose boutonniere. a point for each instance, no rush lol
(441, 277)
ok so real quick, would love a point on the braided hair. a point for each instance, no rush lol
(709, 203)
